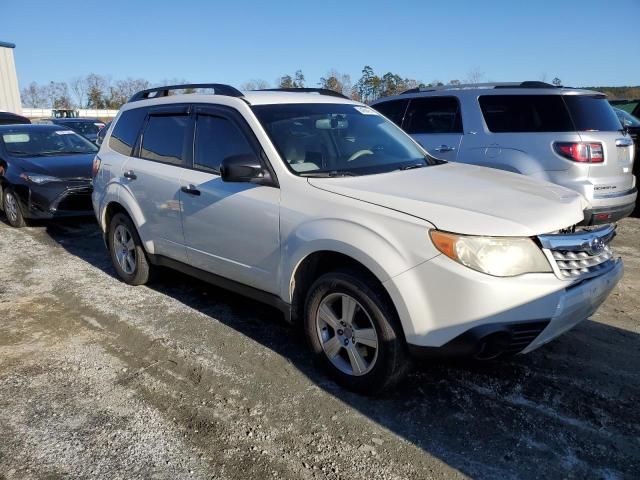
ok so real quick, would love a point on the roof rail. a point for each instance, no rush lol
(218, 89)
(321, 91)
(469, 86)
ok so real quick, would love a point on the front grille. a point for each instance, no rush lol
(573, 264)
(580, 255)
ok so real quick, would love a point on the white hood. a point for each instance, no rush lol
(467, 199)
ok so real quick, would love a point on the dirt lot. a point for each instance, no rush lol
(182, 380)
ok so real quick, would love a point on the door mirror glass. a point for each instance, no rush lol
(244, 168)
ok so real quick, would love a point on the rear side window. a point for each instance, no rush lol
(433, 115)
(216, 139)
(393, 110)
(591, 113)
(164, 139)
(525, 113)
(126, 130)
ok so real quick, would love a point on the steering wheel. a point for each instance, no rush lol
(359, 154)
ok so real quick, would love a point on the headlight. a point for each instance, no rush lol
(498, 256)
(38, 179)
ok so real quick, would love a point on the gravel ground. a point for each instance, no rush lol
(182, 380)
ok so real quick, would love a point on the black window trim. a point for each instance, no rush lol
(459, 113)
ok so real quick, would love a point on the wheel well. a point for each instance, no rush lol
(112, 209)
(316, 265)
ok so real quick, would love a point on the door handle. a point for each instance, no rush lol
(130, 175)
(191, 190)
(444, 148)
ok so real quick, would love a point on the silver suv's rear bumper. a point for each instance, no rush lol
(611, 208)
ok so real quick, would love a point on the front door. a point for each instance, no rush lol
(435, 123)
(231, 229)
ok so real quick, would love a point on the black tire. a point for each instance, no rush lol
(14, 215)
(391, 363)
(141, 270)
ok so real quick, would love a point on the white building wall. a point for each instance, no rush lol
(9, 90)
(82, 113)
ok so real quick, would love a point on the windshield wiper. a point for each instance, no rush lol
(413, 165)
(330, 174)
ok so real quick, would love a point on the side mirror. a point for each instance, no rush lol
(244, 168)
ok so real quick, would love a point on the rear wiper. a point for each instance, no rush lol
(332, 173)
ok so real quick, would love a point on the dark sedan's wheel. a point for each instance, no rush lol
(127, 254)
(12, 209)
(353, 331)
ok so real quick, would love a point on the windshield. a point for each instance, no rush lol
(25, 142)
(85, 128)
(626, 118)
(325, 139)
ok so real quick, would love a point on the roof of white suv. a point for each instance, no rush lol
(256, 97)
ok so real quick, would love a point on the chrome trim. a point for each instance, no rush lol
(624, 142)
(579, 241)
(618, 194)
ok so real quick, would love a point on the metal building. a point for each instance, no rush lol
(9, 91)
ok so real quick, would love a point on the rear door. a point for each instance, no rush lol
(231, 229)
(597, 123)
(153, 175)
(436, 123)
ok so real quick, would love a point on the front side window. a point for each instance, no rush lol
(164, 139)
(525, 113)
(393, 110)
(323, 139)
(216, 139)
(433, 115)
(45, 142)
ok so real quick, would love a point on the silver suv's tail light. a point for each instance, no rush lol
(580, 151)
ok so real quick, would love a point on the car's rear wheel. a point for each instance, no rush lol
(353, 331)
(12, 209)
(127, 253)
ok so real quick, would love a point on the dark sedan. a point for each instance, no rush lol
(45, 172)
(87, 127)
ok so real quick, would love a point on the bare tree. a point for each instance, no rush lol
(58, 93)
(474, 75)
(255, 84)
(34, 96)
(336, 81)
(556, 81)
(455, 82)
(543, 77)
(79, 88)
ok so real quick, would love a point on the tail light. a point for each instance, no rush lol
(580, 152)
(96, 166)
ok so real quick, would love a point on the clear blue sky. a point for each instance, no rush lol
(585, 43)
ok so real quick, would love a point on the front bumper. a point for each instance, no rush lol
(57, 200)
(448, 309)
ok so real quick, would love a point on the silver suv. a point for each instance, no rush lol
(563, 135)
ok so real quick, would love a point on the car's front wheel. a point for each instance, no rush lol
(12, 209)
(127, 253)
(353, 331)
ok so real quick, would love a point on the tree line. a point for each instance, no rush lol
(101, 92)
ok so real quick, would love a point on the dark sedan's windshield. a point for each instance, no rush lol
(41, 142)
(320, 139)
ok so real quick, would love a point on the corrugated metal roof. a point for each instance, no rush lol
(7, 44)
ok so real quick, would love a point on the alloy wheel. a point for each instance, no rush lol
(125, 249)
(11, 207)
(347, 334)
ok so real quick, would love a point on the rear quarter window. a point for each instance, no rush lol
(126, 130)
(525, 113)
(592, 113)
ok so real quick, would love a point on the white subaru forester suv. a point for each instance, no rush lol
(320, 206)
